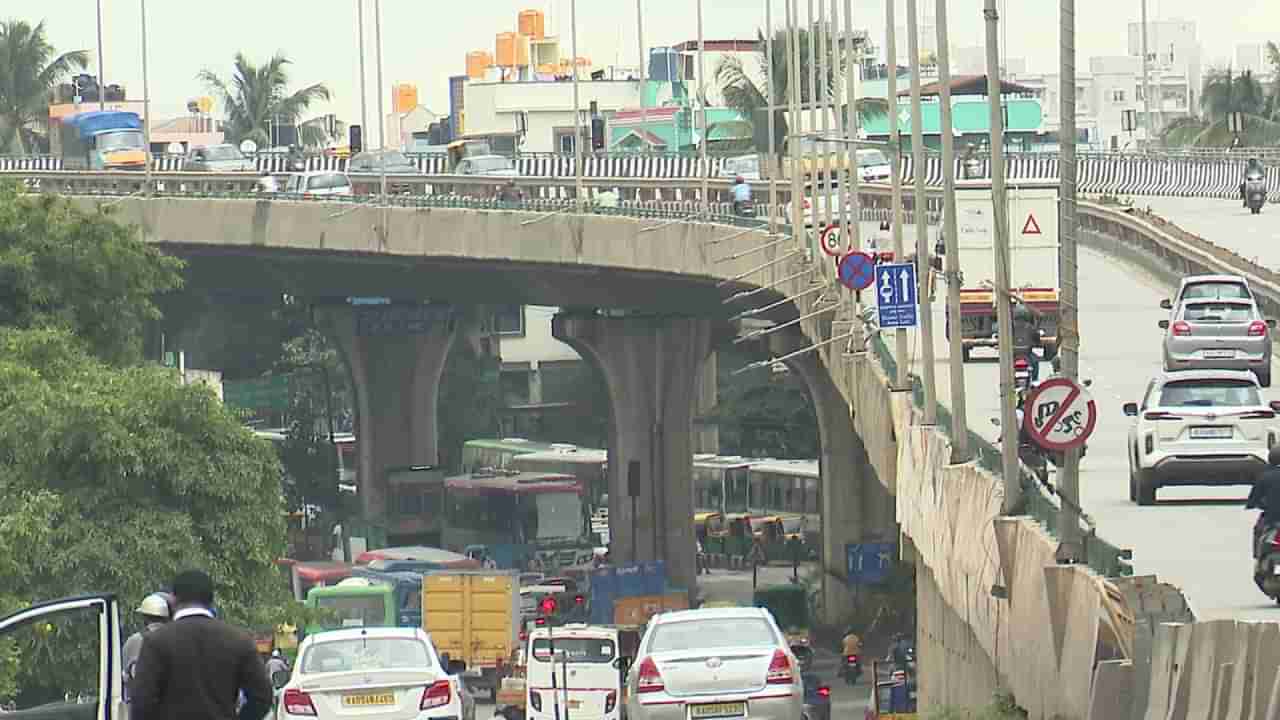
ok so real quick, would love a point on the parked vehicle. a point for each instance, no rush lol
(1227, 334)
(754, 672)
(377, 674)
(367, 167)
(1199, 427)
(475, 617)
(217, 158)
(1255, 192)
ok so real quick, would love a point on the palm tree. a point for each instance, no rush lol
(1273, 99)
(1224, 93)
(256, 97)
(29, 71)
(740, 91)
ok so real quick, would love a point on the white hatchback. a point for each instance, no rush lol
(377, 673)
(1199, 427)
(319, 182)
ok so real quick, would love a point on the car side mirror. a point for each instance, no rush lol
(279, 679)
(1167, 304)
(1164, 324)
(455, 667)
(1271, 323)
(1131, 409)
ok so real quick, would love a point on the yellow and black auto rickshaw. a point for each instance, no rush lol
(711, 531)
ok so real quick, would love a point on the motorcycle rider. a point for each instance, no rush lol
(1254, 167)
(1026, 336)
(741, 195)
(852, 644)
(1265, 496)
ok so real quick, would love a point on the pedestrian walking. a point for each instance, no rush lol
(195, 667)
(154, 611)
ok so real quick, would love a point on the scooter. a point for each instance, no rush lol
(745, 208)
(1255, 192)
(1266, 570)
(1021, 373)
(851, 669)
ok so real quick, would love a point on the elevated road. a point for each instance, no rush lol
(1225, 223)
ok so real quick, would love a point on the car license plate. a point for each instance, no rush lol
(1219, 354)
(718, 710)
(369, 700)
(1211, 433)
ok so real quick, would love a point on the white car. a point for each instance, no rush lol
(1199, 427)
(873, 166)
(376, 673)
(319, 182)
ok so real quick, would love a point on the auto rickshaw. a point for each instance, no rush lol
(711, 531)
(739, 535)
(789, 605)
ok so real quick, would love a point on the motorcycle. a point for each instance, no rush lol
(1021, 373)
(851, 669)
(745, 208)
(1266, 570)
(1255, 192)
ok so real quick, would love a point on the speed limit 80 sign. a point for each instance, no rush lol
(1060, 414)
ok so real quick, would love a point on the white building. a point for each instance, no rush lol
(530, 353)
(492, 108)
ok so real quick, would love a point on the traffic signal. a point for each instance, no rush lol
(549, 606)
(355, 138)
(597, 133)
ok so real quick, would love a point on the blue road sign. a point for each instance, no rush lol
(897, 295)
(868, 563)
(857, 271)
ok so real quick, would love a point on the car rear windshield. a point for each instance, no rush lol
(222, 152)
(366, 654)
(327, 181)
(576, 650)
(1218, 313)
(711, 633)
(871, 158)
(1215, 291)
(1210, 393)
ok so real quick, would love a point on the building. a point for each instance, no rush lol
(970, 115)
(541, 377)
(1175, 65)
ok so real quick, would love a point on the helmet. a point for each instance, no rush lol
(154, 605)
(1273, 456)
(738, 180)
(276, 653)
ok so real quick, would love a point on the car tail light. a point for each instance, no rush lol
(438, 694)
(1020, 364)
(1180, 329)
(579, 600)
(535, 699)
(1275, 540)
(297, 702)
(1258, 415)
(649, 680)
(824, 691)
(1160, 415)
(780, 670)
(851, 659)
(1257, 328)
(610, 701)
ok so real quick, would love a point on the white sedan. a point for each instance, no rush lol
(1199, 427)
(381, 673)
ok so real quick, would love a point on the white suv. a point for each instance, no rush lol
(1199, 427)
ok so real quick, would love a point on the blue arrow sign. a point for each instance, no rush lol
(868, 563)
(897, 295)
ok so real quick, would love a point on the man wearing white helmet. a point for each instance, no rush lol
(154, 611)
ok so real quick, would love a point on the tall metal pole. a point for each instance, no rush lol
(1069, 320)
(955, 351)
(102, 83)
(895, 178)
(644, 63)
(382, 118)
(364, 94)
(577, 111)
(822, 72)
(772, 160)
(702, 103)
(795, 123)
(923, 269)
(849, 121)
(846, 152)
(1146, 84)
(146, 96)
(1000, 219)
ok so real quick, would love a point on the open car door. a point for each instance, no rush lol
(61, 659)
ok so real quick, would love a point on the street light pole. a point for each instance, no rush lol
(146, 97)
(1068, 256)
(364, 93)
(577, 111)
(644, 62)
(902, 382)
(382, 118)
(1011, 470)
(772, 160)
(102, 98)
(702, 103)
(955, 344)
(795, 123)
(1146, 82)
(923, 268)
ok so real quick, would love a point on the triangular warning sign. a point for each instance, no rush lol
(1031, 227)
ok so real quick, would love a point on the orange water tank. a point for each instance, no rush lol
(505, 47)
(477, 62)
(404, 97)
(531, 24)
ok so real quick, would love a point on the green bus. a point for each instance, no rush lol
(357, 602)
(496, 453)
(589, 465)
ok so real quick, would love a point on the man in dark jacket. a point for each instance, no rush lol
(1026, 336)
(1265, 496)
(195, 667)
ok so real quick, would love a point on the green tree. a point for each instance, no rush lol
(1224, 93)
(470, 401)
(317, 395)
(257, 96)
(742, 93)
(81, 270)
(763, 413)
(29, 70)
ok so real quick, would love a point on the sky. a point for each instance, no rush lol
(426, 41)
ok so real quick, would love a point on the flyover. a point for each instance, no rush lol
(964, 620)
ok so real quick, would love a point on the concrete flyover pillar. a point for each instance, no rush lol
(651, 367)
(856, 508)
(395, 355)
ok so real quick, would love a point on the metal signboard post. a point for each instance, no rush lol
(898, 295)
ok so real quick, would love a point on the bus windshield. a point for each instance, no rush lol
(356, 610)
(559, 515)
(119, 140)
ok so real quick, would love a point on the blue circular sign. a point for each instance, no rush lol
(857, 271)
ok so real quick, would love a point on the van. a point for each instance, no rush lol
(587, 669)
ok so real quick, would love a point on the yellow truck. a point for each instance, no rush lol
(474, 616)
